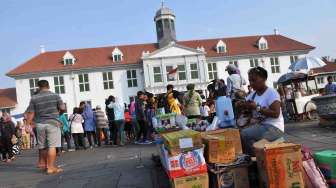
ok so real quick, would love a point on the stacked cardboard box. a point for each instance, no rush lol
(181, 141)
(279, 165)
(183, 164)
(194, 181)
(222, 146)
(182, 156)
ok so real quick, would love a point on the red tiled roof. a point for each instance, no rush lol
(101, 57)
(329, 67)
(7, 97)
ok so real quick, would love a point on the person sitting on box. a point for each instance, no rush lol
(265, 104)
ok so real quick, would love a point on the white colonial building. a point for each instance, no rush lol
(92, 74)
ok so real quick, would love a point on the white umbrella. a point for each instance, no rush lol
(307, 63)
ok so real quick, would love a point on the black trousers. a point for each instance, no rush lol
(113, 133)
(7, 148)
(91, 136)
(78, 138)
(104, 130)
(67, 137)
(143, 125)
(112, 130)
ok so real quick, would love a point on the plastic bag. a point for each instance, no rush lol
(214, 125)
(181, 121)
(313, 175)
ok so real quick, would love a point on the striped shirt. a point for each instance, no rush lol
(45, 105)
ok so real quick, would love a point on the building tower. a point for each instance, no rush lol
(165, 26)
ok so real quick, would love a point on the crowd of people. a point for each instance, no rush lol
(117, 124)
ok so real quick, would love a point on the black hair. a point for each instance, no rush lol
(82, 103)
(140, 93)
(43, 84)
(329, 77)
(75, 110)
(149, 95)
(259, 71)
(169, 86)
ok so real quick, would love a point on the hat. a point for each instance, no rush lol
(98, 107)
(231, 67)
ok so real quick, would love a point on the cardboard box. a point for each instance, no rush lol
(236, 177)
(184, 164)
(194, 181)
(222, 146)
(181, 141)
(279, 165)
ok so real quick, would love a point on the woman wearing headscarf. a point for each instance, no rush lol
(89, 125)
(119, 113)
(172, 101)
(192, 102)
(7, 130)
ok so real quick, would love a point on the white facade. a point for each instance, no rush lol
(171, 55)
(73, 96)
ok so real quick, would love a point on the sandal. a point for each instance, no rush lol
(54, 171)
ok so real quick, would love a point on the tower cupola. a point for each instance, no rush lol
(165, 26)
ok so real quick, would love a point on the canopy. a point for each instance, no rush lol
(307, 63)
(292, 77)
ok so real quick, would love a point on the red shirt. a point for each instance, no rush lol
(128, 117)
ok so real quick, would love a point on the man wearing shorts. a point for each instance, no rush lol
(44, 110)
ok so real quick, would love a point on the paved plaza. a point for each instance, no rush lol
(122, 167)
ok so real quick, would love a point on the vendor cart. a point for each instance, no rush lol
(298, 90)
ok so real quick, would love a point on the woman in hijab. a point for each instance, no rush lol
(7, 132)
(89, 125)
(192, 102)
(172, 101)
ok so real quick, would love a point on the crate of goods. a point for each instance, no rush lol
(279, 165)
(180, 141)
(234, 175)
(183, 164)
(326, 161)
(222, 146)
(193, 181)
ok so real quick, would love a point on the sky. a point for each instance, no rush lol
(64, 24)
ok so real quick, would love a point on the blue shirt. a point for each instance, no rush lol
(330, 89)
(65, 123)
(119, 110)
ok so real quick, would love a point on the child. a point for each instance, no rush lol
(205, 110)
(128, 125)
(29, 129)
(25, 135)
(66, 135)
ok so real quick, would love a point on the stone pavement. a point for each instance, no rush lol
(312, 135)
(119, 167)
(100, 167)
